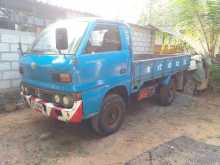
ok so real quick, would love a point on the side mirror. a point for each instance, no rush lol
(61, 39)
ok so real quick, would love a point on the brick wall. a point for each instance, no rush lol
(143, 40)
(9, 75)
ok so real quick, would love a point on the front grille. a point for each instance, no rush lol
(40, 93)
(46, 95)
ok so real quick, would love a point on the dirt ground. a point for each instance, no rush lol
(28, 138)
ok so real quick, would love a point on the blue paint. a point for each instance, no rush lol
(95, 74)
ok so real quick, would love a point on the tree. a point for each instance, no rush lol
(197, 21)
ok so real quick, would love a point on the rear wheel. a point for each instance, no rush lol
(111, 116)
(167, 93)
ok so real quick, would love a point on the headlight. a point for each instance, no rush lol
(57, 99)
(26, 90)
(67, 101)
(22, 88)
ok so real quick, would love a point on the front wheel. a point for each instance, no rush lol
(111, 116)
(167, 93)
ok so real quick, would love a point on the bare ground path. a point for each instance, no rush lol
(30, 138)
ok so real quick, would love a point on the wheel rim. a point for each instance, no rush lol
(112, 116)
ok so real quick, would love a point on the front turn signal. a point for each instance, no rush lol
(63, 78)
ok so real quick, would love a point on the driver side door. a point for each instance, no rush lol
(103, 65)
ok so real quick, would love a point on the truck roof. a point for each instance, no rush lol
(99, 19)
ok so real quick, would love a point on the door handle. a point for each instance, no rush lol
(123, 70)
(75, 61)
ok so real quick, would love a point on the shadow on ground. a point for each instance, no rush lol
(181, 151)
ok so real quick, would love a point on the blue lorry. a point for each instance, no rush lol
(87, 69)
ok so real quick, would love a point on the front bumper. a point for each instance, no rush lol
(71, 115)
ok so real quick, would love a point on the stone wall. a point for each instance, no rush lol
(143, 40)
(9, 67)
(9, 74)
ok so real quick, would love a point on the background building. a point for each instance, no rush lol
(31, 15)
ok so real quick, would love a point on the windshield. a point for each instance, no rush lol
(46, 41)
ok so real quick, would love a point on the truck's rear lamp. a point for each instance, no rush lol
(64, 77)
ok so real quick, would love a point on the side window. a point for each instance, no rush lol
(103, 39)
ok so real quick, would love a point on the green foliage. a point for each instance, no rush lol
(214, 76)
(195, 21)
(169, 40)
(199, 20)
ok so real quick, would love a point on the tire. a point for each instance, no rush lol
(110, 117)
(167, 93)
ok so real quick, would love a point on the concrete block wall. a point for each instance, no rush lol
(9, 67)
(143, 43)
(143, 40)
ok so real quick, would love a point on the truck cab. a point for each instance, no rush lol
(85, 69)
